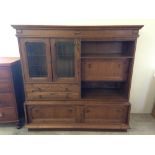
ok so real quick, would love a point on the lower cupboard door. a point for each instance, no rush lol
(51, 114)
(106, 114)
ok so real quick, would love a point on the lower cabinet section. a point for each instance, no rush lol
(102, 116)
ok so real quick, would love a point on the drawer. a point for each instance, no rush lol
(51, 113)
(106, 114)
(8, 114)
(52, 88)
(52, 95)
(5, 73)
(7, 99)
(104, 69)
(5, 87)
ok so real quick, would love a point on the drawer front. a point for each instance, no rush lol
(52, 88)
(7, 99)
(104, 69)
(51, 95)
(8, 114)
(106, 114)
(5, 87)
(5, 73)
(51, 113)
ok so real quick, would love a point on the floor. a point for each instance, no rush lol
(141, 124)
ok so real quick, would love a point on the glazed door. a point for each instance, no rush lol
(66, 60)
(37, 59)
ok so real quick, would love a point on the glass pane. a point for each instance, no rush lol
(65, 59)
(36, 55)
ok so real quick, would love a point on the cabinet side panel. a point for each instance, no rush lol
(19, 89)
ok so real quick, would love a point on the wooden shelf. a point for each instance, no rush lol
(102, 56)
(105, 94)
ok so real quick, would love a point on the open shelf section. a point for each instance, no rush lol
(103, 90)
(105, 94)
(107, 49)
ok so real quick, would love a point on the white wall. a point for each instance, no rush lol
(95, 12)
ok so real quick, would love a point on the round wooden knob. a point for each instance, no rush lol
(40, 96)
(87, 110)
(70, 109)
(66, 89)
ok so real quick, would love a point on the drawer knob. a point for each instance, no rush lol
(70, 109)
(66, 89)
(40, 96)
(89, 65)
(87, 110)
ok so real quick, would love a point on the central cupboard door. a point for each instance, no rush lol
(65, 60)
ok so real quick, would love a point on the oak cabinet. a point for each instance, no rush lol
(106, 113)
(77, 76)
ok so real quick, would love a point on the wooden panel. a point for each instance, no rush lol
(8, 114)
(105, 113)
(52, 95)
(130, 34)
(5, 73)
(7, 99)
(5, 87)
(104, 69)
(52, 87)
(54, 113)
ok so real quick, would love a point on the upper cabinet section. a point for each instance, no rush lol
(129, 32)
(36, 55)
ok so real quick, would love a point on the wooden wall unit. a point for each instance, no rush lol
(77, 77)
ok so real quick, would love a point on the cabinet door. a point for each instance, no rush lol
(106, 114)
(51, 114)
(36, 59)
(66, 60)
